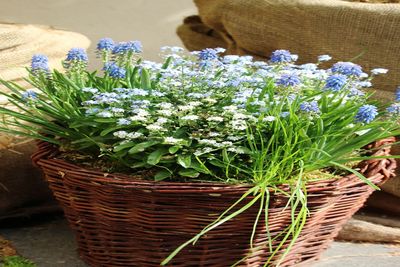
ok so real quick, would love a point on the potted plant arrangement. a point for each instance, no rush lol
(204, 159)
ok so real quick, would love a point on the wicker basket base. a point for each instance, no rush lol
(120, 220)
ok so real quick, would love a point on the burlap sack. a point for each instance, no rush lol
(22, 189)
(365, 33)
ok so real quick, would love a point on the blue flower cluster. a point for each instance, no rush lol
(336, 82)
(126, 47)
(39, 63)
(310, 107)
(289, 80)
(77, 54)
(29, 95)
(366, 114)
(282, 56)
(347, 68)
(114, 71)
(394, 109)
(105, 44)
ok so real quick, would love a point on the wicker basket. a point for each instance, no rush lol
(120, 220)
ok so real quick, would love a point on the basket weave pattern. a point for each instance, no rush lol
(120, 220)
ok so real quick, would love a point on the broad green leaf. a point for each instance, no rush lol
(124, 146)
(189, 173)
(155, 156)
(161, 175)
(173, 149)
(185, 160)
(142, 146)
(139, 165)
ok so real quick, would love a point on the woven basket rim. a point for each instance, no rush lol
(43, 158)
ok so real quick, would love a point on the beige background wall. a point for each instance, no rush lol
(153, 21)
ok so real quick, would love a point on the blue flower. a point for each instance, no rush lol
(123, 121)
(310, 107)
(354, 92)
(39, 63)
(114, 70)
(397, 95)
(394, 109)
(29, 94)
(125, 47)
(336, 82)
(288, 80)
(208, 54)
(347, 68)
(323, 58)
(105, 44)
(77, 54)
(282, 56)
(285, 114)
(366, 114)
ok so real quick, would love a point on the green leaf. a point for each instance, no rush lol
(173, 149)
(124, 146)
(104, 120)
(217, 163)
(138, 165)
(189, 173)
(142, 146)
(180, 132)
(161, 175)
(155, 156)
(145, 79)
(185, 160)
(109, 130)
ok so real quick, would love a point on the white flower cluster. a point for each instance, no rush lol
(210, 102)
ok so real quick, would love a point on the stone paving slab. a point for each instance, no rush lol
(51, 244)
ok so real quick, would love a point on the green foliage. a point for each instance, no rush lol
(17, 261)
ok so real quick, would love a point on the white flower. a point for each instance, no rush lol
(134, 135)
(239, 125)
(120, 134)
(240, 116)
(165, 112)
(190, 118)
(165, 105)
(202, 151)
(105, 114)
(215, 118)
(155, 128)
(214, 134)
(208, 142)
(90, 90)
(227, 143)
(210, 100)
(172, 140)
(138, 118)
(323, 58)
(117, 110)
(194, 103)
(378, 71)
(237, 150)
(231, 108)
(162, 120)
(186, 108)
(235, 138)
(268, 118)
